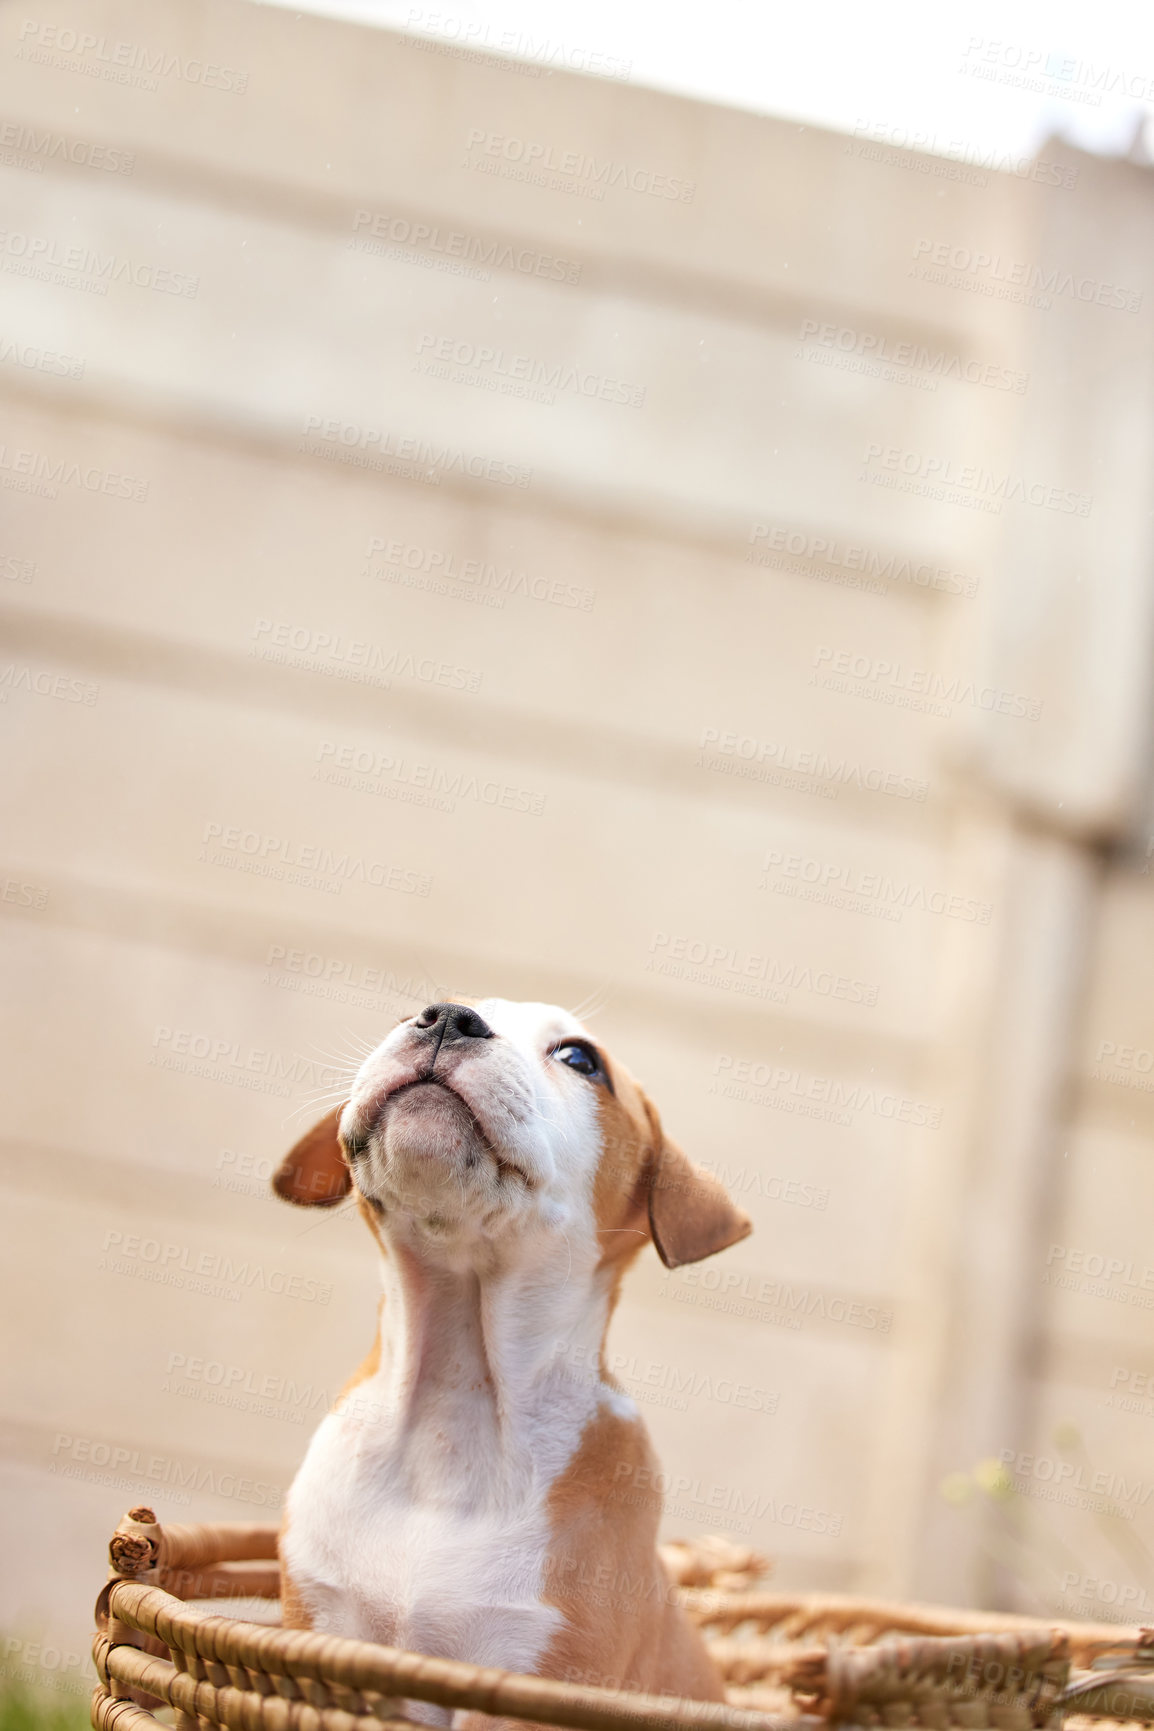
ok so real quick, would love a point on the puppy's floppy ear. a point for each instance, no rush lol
(315, 1173)
(690, 1215)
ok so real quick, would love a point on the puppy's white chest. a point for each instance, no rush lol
(458, 1571)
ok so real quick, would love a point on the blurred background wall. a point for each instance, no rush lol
(472, 529)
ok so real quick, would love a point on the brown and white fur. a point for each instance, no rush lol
(465, 1498)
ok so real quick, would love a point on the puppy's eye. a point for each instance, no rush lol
(581, 1058)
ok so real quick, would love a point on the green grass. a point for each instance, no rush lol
(25, 1709)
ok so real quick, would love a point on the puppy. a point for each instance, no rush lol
(479, 1492)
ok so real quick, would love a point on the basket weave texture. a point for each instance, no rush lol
(801, 1663)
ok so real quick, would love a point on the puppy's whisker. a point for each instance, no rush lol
(321, 1096)
(594, 1003)
(324, 1215)
(542, 1115)
(364, 1047)
(315, 1108)
(344, 1078)
(305, 1109)
(345, 1057)
(343, 1060)
(340, 1076)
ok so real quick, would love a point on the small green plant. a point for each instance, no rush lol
(1027, 1548)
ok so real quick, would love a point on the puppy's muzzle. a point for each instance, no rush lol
(452, 1026)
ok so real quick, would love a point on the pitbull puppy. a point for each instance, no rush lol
(470, 1495)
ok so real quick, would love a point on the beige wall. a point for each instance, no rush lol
(901, 1074)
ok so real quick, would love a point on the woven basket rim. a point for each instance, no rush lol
(820, 1649)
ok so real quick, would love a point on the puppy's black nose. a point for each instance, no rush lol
(452, 1022)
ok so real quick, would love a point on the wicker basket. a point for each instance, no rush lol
(802, 1663)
